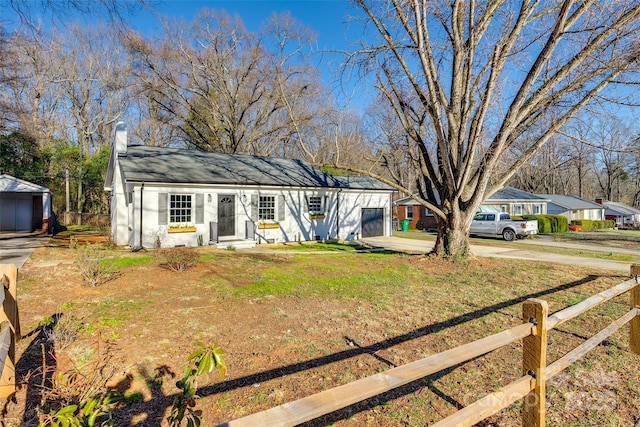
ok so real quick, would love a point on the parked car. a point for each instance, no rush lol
(501, 224)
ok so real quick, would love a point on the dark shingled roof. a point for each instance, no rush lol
(182, 166)
(510, 194)
(571, 202)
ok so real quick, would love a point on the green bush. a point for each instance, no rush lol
(589, 225)
(586, 224)
(548, 224)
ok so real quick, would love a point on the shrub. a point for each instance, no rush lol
(93, 270)
(588, 224)
(62, 330)
(79, 395)
(203, 360)
(177, 259)
(548, 224)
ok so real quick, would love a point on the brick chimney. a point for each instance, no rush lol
(599, 200)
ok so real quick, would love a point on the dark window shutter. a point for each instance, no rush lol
(255, 201)
(305, 205)
(280, 208)
(162, 208)
(199, 208)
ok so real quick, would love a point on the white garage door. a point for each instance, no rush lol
(16, 212)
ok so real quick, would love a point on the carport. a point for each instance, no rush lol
(25, 207)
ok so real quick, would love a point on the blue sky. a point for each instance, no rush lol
(327, 17)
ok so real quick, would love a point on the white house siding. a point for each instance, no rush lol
(341, 220)
(575, 214)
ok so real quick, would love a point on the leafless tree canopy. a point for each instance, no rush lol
(227, 89)
(470, 80)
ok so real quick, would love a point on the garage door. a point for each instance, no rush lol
(372, 222)
(16, 212)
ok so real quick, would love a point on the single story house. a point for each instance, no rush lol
(509, 200)
(25, 207)
(166, 197)
(624, 215)
(573, 207)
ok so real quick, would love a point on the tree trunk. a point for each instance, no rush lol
(453, 235)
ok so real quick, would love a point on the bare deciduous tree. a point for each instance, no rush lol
(468, 79)
(227, 89)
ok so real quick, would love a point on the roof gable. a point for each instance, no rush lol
(10, 184)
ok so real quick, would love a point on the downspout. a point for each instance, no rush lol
(137, 248)
(338, 214)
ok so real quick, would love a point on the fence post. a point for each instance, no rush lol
(9, 313)
(534, 362)
(634, 334)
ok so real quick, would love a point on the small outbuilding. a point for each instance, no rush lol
(25, 207)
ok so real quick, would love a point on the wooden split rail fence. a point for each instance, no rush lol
(530, 387)
(9, 328)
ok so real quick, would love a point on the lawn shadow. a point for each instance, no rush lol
(382, 345)
(35, 368)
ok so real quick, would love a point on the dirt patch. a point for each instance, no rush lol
(293, 325)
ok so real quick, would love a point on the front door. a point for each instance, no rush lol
(226, 215)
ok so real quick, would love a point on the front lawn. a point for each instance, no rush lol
(293, 324)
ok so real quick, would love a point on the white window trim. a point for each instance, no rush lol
(274, 208)
(409, 208)
(191, 208)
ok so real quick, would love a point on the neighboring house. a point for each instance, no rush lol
(24, 207)
(170, 197)
(515, 202)
(509, 200)
(573, 207)
(419, 217)
(625, 216)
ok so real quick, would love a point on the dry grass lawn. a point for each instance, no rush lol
(294, 323)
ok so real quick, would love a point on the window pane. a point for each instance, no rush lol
(267, 208)
(315, 205)
(180, 208)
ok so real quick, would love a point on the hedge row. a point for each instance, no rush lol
(550, 223)
(588, 224)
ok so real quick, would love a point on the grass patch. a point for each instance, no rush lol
(318, 247)
(120, 263)
(83, 230)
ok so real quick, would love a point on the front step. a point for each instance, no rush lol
(237, 244)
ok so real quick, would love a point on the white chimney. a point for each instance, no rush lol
(120, 138)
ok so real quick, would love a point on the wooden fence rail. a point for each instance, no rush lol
(530, 387)
(9, 328)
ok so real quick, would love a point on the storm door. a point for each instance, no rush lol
(226, 215)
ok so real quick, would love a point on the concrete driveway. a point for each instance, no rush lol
(414, 245)
(16, 248)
